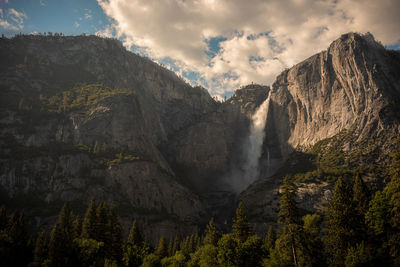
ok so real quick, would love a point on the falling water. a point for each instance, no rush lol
(254, 144)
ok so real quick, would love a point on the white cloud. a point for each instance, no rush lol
(6, 25)
(296, 30)
(16, 15)
(76, 24)
(12, 19)
(108, 32)
(42, 3)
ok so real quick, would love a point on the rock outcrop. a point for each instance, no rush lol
(62, 96)
(83, 118)
(352, 86)
(206, 152)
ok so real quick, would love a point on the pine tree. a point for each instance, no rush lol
(393, 193)
(151, 260)
(211, 234)
(269, 242)
(89, 223)
(358, 256)
(135, 237)
(227, 245)
(191, 245)
(116, 234)
(361, 206)
(175, 246)
(241, 226)
(197, 242)
(394, 169)
(383, 216)
(14, 246)
(170, 247)
(378, 215)
(162, 249)
(378, 221)
(102, 230)
(77, 226)
(289, 217)
(184, 245)
(60, 245)
(311, 241)
(206, 255)
(339, 223)
(102, 224)
(134, 255)
(250, 252)
(360, 195)
(41, 249)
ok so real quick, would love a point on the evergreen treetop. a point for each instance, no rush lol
(241, 227)
(211, 234)
(135, 237)
(89, 223)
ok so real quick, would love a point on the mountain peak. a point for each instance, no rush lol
(253, 94)
(357, 41)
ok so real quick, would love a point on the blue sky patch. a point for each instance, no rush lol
(394, 47)
(213, 45)
(70, 17)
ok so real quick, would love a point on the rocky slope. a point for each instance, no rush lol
(350, 84)
(353, 87)
(83, 118)
(62, 96)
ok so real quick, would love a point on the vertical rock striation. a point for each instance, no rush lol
(353, 86)
(347, 86)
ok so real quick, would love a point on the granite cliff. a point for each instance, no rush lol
(63, 96)
(83, 118)
(339, 110)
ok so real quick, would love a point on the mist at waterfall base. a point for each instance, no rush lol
(240, 178)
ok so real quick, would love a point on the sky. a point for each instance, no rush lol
(219, 44)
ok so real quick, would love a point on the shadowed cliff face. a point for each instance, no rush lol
(62, 96)
(210, 153)
(81, 117)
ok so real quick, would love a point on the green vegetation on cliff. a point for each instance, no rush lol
(340, 155)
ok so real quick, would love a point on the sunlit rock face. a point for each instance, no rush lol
(353, 85)
(347, 86)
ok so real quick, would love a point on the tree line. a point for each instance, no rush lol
(356, 229)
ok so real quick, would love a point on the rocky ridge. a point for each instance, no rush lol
(352, 91)
(82, 117)
(63, 95)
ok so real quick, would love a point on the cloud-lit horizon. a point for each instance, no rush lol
(230, 43)
(224, 44)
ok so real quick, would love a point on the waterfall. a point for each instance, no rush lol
(255, 141)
